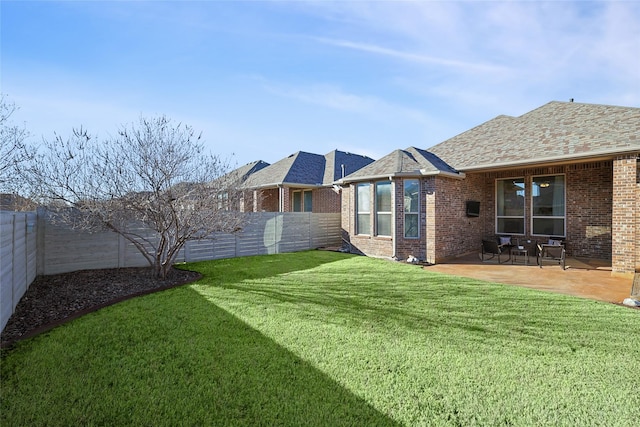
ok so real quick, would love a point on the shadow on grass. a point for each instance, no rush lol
(398, 297)
(170, 358)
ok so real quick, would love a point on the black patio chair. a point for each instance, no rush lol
(555, 254)
(491, 248)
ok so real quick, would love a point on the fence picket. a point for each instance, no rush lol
(17, 259)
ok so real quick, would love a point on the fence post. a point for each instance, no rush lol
(121, 251)
(41, 230)
(310, 229)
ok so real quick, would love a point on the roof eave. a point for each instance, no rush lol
(283, 184)
(419, 173)
(571, 158)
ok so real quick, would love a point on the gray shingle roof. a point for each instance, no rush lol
(250, 168)
(239, 175)
(306, 169)
(340, 164)
(556, 131)
(409, 162)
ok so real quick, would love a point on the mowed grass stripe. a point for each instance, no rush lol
(321, 338)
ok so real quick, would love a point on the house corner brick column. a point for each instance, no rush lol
(623, 231)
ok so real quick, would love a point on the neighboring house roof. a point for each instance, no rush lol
(340, 164)
(243, 172)
(555, 132)
(15, 202)
(239, 175)
(303, 169)
(409, 162)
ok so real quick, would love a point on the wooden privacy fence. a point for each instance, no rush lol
(17, 259)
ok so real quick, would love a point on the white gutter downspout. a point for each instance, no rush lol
(280, 198)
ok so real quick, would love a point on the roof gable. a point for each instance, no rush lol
(409, 162)
(340, 164)
(307, 169)
(243, 172)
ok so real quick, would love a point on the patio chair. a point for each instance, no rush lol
(551, 253)
(491, 248)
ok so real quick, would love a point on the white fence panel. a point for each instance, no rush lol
(325, 230)
(68, 250)
(30, 244)
(264, 233)
(17, 259)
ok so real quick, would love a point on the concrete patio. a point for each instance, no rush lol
(586, 278)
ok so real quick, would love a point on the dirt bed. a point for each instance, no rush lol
(52, 300)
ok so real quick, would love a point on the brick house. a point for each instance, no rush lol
(301, 182)
(565, 170)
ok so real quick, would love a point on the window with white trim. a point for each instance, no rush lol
(510, 197)
(383, 208)
(411, 208)
(548, 207)
(363, 208)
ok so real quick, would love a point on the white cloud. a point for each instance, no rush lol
(416, 57)
(332, 97)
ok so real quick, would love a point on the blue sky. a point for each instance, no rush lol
(265, 79)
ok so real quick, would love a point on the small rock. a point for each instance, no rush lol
(631, 302)
(412, 260)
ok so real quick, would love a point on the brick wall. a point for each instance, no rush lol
(625, 213)
(592, 207)
(449, 232)
(588, 205)
(637, 215)
(589, 209)
(454, 233)
(266, 200)
(370, 245)
(347, 213)
(325, 200)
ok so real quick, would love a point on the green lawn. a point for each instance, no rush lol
(328, 339)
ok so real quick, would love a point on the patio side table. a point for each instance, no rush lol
(522, 252)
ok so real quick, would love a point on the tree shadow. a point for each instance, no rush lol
(480, 312)
(182, 360)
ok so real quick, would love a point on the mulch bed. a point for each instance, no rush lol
(56, 299)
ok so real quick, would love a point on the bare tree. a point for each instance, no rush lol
(14, 152)
(153, 184)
